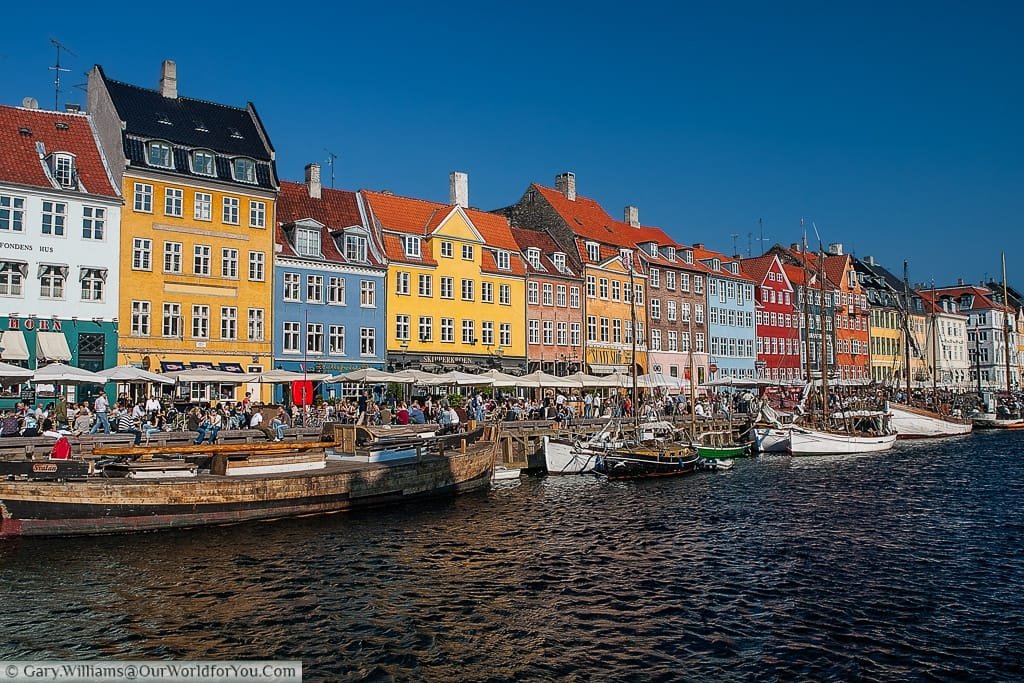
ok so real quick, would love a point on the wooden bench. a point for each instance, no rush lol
(38, 447)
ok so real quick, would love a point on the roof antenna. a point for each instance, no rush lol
(734, 236)
(762, 239)
(331, 158)
(58, 69)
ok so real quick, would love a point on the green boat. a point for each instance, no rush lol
(719, 445)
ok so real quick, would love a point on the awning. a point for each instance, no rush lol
(231, 367)
(429, 367)
(597, 369)
(52, 346)
(171, 366)
(13, 344)
(202, 364)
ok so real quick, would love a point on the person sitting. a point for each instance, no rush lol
(29, 427)
(402, 415)
(279, 423)
(416, 415)
(126, 424)
(10, 425)
(209, 427)
(256, 422)
(155, 424)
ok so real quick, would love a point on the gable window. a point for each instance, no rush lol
(159, 155)
(446, 249)
(94, 222)
(12, 213)
(244, 170)
(202, 163)
(55, 216)
(355, 248)
(593, 251)
(63, 166)
(467, 252)
(533, 256)
(412, 246)
(307, 242)
(504, 260)
(559, 260)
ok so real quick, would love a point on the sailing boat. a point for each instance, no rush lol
(1001, 418)
(918, 422)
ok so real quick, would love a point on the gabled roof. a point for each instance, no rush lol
(981, 297)
(22, 164)
(758, 267)
(702, 254)
(586, 217)
(932, 301)
(334, 210)
(835, 268)
(527, 238)
(799, 276)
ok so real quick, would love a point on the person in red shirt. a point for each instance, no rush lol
(402, 414)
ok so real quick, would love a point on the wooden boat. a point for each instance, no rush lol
(648, 461)
(771, 439)
(441, 466)
(805, 441)
(911, 422)
(713, 445)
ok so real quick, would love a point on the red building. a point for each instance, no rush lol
(776, 317)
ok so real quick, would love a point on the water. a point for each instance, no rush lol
(902, 566)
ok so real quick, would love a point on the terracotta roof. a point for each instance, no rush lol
(527, 238)
(835, 269)
(982, 296)
(20, 162)
(586, 218)
(757, 268)
(932, 302)
(335, 210)
(700, 253)
(395, 250)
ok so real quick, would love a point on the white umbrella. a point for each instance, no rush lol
(417, 376)
(129, 374)
(595, 381)
(207, 375)
(659, 380)
(543, 379)
(12, 374)
(500, 379)
(58, 373)
(279, 376)
(739, 382)
(364, 375)
(460, 379)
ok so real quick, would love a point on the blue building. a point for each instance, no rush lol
(731, 329)
(329, 272)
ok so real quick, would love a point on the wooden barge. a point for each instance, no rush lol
(179, 497)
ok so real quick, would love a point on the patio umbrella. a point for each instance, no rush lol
(58, 373)
(658, 380)
(543, 379)
(739, 382)
(417, 376)
(500, 379)
(459, 379)
(594, 381)
(279, 376)
(206, 375)
(372, 375)
(12, 374)
(129, 374)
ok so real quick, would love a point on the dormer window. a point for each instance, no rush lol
(533, 256)
(626, 255)
(159, 155)
(669, 253)
(355, 248)
(203, 163)
(244, 170)
(307, 242)
(412, 246)
(63, 168)
(688, 255)
(559, 260)
(504, 261)
(716, 264)
(593, 251)
(652, 249)
(733, 268)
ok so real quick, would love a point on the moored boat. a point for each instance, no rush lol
(805, 441)
(719, 445)
(648, 461)
(771, 439)
(911, 422)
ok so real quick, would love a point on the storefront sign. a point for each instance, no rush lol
(41, 324)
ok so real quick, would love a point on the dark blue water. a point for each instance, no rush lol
(902, 566)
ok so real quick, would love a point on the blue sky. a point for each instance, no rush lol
(894, 127)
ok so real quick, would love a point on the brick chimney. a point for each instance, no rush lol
(169, 79)
(632, 216)
(836, 248)
(313, 180)
(566, 184)
(458, 189)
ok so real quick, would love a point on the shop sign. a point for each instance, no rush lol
(41, 324)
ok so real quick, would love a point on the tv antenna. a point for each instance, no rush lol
(58, 69)
(331, 158)
(734, 237)
(762, 239)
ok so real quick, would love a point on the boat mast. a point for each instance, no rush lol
(693, 377)
(906, 329)
(632, 317)
(935, 351)
(807, 311)
(1006, 328)
(824, 349)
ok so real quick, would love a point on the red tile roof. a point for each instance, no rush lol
(700, 253)
(20, 162)
(527, 238)
(758, 267)
(982, 296)
(932, 301)
(335, 210)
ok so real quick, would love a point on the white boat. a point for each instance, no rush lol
(771, 439)
(502, 473)
(805, 441)
(564, 456)
(915, 423)
(992, 421)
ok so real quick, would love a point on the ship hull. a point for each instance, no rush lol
(813, 442)
(917, 424)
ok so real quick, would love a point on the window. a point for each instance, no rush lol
(12, 277)
(94, 220)
(367, 341)
(160, 155)
(291, 286)
(504, 260)
(447, 288)
(202, 163)
(336, 340)
(684, 311)
(257, 214)
(256, 266)
(604, 329)
(533, 293)
(402, 327)
(547, 295)
(230, 212)
(426, 285)
(447, 329)
(673, 340)
(505, 334)
(63, 166)
(412, 246)
(574, 297)
(467, 252)
(173, 201)
(51, 281)
(446, 249)
(200, 321)
(355, 248)
(655, 277)
(426, 328)
(290, 338)
(140, 319)
(670, 312)
(203, 207)
(93, 280)
(563, 334)
(229, 263)
(533, 332)
(402, 283)
(617, 331)
(549, 332)
(12, 213)
(468, 334)
(593, 251)
(244, 170)
(143, 198)
(655, 340)
(367, 293)
(255, 324)
(616, 290)
(487, 292)
(558, 258)
(670, 279)
(639, 294)
(603, 288)
(699, 342)
(505, 295)
(55, 215)
(142, 254)
(307, 242)
(656, 309)
(684, 282)
(560, 296)
(228, 322)
(314, 338)
(315, 289)
(533, 257)
(172, 320)
(487, 333)
(574, 334)
(698, 313)
(698, 284)
(201, 259)
(336, 291)
(591, 328)
(591, 287)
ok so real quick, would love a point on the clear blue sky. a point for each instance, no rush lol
(895, 127)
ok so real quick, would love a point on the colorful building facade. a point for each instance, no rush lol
(776, 319)
(731, 323)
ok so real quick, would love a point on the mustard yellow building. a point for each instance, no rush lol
(197, 238)
(455, 284)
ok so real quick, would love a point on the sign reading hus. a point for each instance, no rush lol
(14, 323)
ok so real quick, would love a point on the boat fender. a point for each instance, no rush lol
(61, 449)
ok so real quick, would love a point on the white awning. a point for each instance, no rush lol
(52, 346)
(598, 369)
(13, 344)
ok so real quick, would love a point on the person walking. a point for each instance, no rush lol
(100, 406)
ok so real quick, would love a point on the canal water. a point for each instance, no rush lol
(902, 566)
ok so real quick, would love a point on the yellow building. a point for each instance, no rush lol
(609, 312)
(196, 269)
(455, 285)
(886, 345)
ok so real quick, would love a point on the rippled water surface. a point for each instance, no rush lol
(902, 566)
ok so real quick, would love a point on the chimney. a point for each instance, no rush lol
(870, 260)
(566, 184)
(313, 180)
(795, 247)
(960, 282)
(458, 189)
(169, 79)
(836, 248)
(632, 216)
(72, 108)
